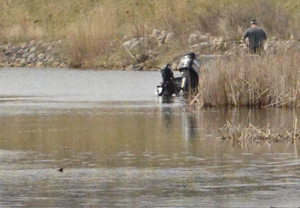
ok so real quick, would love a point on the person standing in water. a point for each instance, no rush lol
(256, 37)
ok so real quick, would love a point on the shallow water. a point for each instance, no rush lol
(120, 146)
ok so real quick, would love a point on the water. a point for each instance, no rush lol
(120, 146)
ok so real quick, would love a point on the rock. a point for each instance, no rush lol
(45, 45)
(32, 49)
(59, 42)
(13, 57)
(31, 44)
(24, 46)
(63, 65)
(129, 68)
(41, 57)
(164, 32)
(7, 53)
(205, 44)
(2, 49)
(155, 33)
(128, 43)
(31, 58)
(135, 45)
(50, 60)
(39, 64)
(23, 62)
(39, 43)
(203, 38)
(195, 46)
(194, 38)
(169, 37)
(218, 42)
(138, 67)
(55, 64)
(25, 55)
(161, 39)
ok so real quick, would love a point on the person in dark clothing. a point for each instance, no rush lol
(168, 80)
(256, 37)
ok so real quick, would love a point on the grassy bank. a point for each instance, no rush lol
(88, 27)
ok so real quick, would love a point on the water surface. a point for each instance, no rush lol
(120, 146)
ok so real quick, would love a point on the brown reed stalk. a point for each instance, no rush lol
(253, 81)
(295, 128)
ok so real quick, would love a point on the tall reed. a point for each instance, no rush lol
(270, 80)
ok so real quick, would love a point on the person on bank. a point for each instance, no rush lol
(256, 37)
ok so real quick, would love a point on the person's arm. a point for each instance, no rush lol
(244, 37)
(244, 41)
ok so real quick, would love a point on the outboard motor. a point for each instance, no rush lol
(189, 66)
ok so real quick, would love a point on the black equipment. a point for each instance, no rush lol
(187, 81)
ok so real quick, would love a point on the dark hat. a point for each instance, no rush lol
(254, 22)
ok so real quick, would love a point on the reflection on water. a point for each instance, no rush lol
(136, 153)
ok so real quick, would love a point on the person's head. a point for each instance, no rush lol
(253, 23)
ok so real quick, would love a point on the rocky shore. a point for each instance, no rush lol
(49, 54)
(33, 54)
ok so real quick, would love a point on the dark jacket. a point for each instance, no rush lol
(256, 36)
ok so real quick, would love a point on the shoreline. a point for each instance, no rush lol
(42, 54)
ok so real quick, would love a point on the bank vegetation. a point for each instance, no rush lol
(88, 27)
(250, 134)
(271, 80)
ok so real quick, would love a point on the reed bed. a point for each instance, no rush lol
(256, 135)
(271, 80)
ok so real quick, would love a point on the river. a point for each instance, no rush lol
(120, 146)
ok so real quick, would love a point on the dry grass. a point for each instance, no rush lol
(89, 26)
(256, 135)
(270, 81)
